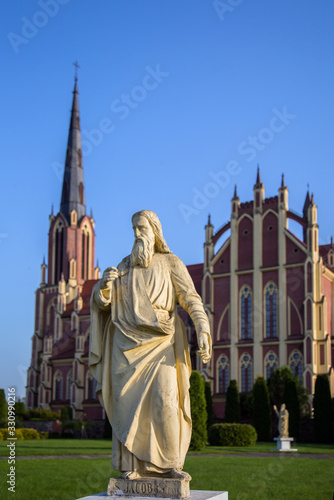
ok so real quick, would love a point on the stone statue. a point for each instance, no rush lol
(283, 421)
(139, 354)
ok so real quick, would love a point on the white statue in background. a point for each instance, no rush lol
(139, 354)
(283, 421)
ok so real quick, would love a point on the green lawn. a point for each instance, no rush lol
(59, 447)
(103, 447)
(265, 448)
(245, 478)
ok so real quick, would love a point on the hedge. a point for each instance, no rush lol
(30, 434)
(21, 434)
(232, 435)
(18, 434)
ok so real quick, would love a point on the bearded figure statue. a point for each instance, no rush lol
(139, 354)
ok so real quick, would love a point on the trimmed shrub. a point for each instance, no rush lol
(66, 413)
(44, 435)
(1, 436)
(20, 410)
(41, 414)
(209, 404)
(18, 434)
(198, 412)
(30, 434)
(232, 435)
(323, 417)
(290, 398)
(262, 410)
(232, 408)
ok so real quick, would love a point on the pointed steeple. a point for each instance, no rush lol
(73, 193)
(307, 203)
(283, 182)
(258, 193)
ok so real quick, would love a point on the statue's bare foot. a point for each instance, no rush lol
(131, 474)
(179, 474)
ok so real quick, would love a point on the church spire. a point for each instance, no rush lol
(73, 193)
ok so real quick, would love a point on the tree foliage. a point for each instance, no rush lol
(276, 384)
(290, 398)
(209, 404)
(199, 415)
(232, 408)
(323, 415)
(261, 410)
(3, 404)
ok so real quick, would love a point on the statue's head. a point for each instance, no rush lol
(282, 406)
(148, 238)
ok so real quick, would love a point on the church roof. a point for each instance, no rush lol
(73, 192)
(64, 348)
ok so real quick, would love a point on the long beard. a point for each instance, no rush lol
(142, 252)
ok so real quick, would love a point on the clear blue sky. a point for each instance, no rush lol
(248, 83)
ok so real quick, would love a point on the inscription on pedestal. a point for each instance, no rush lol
(149, 487)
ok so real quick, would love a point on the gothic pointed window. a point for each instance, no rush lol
(85, 253)
(91, 386)
(270, 295)
(58, 252)
(246, 373)
(79, 158)
(270, 363)
(58, 386)
(223, 374)
(246, 312)
(81, 191)
(296, 363)
(69, 384)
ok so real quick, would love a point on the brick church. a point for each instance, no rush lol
(268, 294)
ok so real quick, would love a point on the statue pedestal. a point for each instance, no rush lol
(284, 444)
(193, 495)
(149, 487)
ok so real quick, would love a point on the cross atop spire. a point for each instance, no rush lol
(76, 70)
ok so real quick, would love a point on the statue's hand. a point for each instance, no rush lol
(204, 347)
(109, 275)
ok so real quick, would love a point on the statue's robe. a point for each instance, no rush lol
(139, 356)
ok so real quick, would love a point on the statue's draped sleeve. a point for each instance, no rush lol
(100, 343)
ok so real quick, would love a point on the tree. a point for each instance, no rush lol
(323, 416)
(290, 398)
(261, 410)
(209, 404)
(276, 383)
(3, 404)
(232, 407)
(199, 414)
